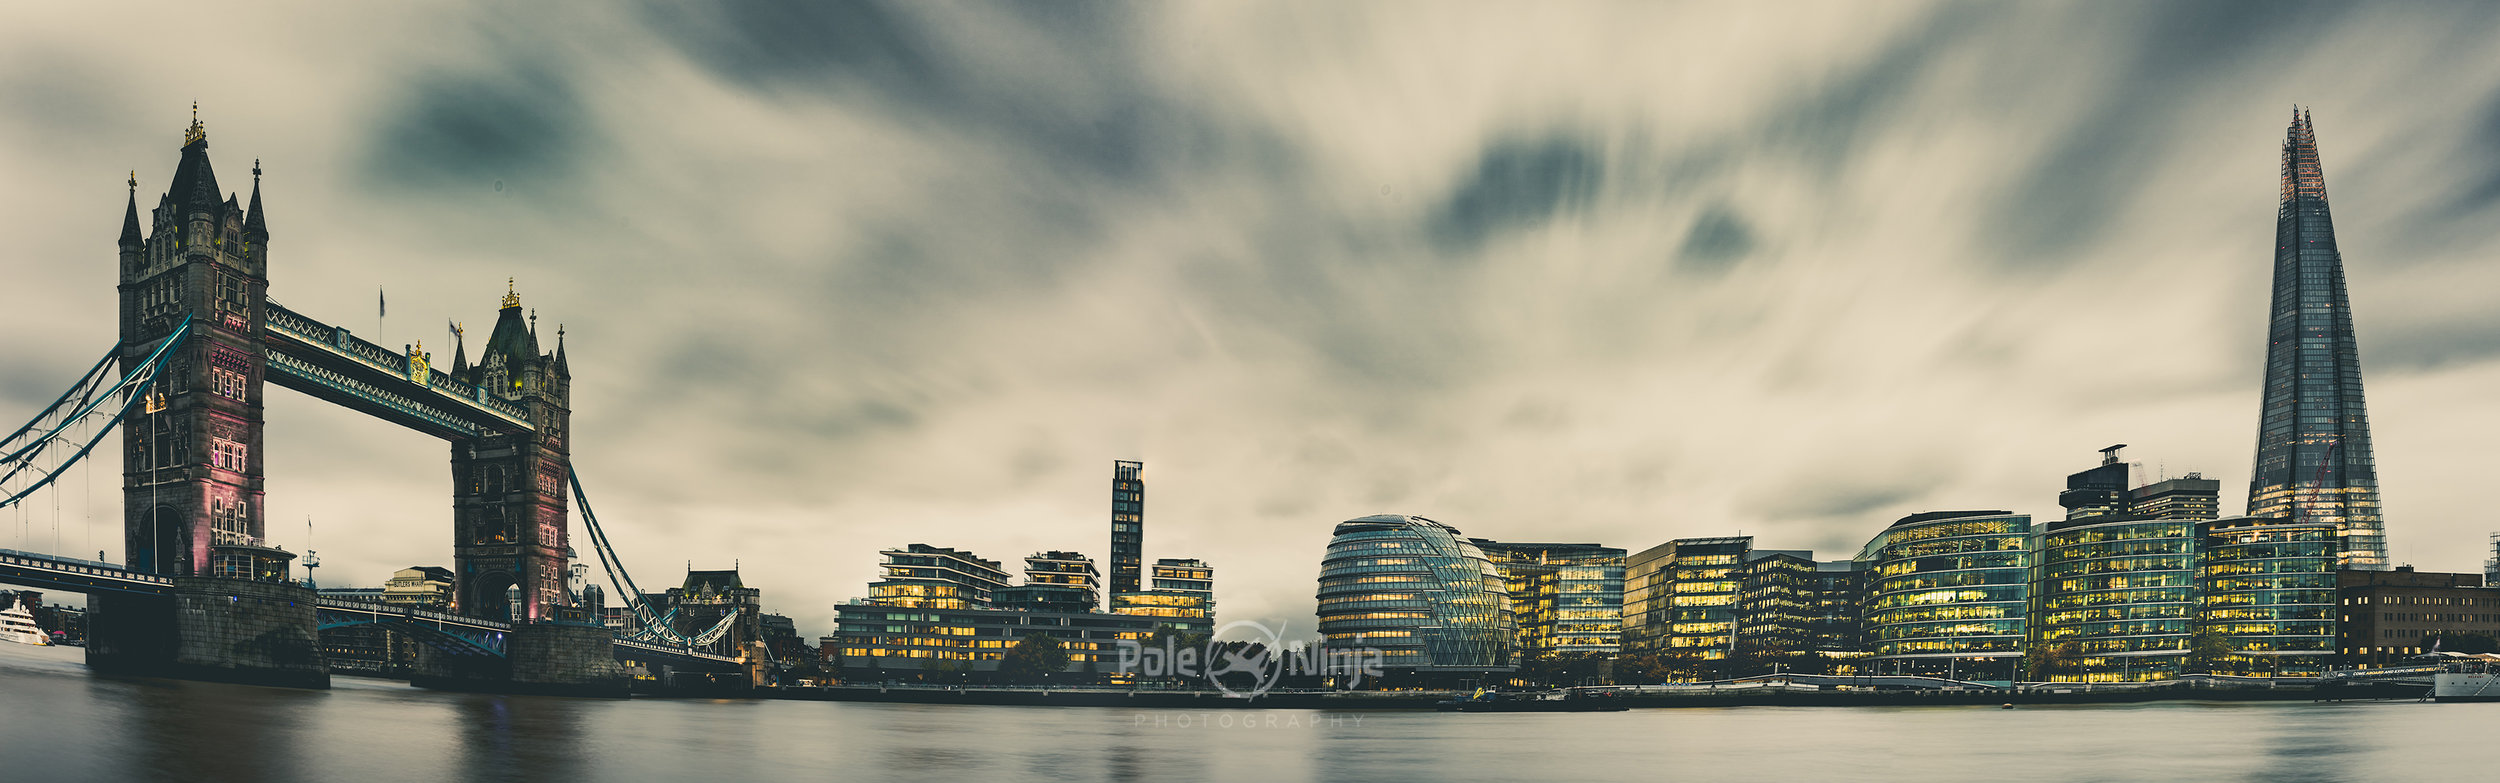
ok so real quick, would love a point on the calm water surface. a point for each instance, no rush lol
(59, 724)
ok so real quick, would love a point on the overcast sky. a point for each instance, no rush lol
(840, 276)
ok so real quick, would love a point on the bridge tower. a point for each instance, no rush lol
(510, 531)
(191, 480)
(191, 483)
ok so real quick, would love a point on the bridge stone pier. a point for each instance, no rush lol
(220, 630)
(557, 659)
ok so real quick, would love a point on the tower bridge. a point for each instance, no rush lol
(199, 343)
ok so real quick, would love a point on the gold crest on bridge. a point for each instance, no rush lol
(417, 364)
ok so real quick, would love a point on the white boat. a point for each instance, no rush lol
(17, 622)
(2467, 678)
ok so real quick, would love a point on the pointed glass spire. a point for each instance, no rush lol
(2314, 462)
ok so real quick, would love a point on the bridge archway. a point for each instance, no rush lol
(158, 540)
(489, 595)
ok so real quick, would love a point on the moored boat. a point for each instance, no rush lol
(17, 621)
(2468, 678)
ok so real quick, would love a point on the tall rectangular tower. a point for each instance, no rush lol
(511, 537)
(191, 481)
(1128, 525)
(2314, 462)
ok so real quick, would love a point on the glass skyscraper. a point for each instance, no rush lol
(2314, 462)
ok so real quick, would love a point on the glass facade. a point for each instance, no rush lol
(1774, 603)
(2268, 593)
(873, 641)
(1054, 582)
(1946, 593)
(1699, 604)
(2114, 599)
(1413, 589)
(1833, 614)
(2314, 463)
(1566, 599)
(934, 577)
(1183, 594)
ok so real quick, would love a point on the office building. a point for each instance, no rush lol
(1774, 608)
(1055, 581)
(424, 587)
(2113, 598)
(2390, 617)
(1946, 593)
(1414, 590)
(2192, 496)
(1183, 596)
(930, 577)
(1565, 599)
(2314, 463)
(1834, 598)
(1688, 593)
(2267, 588)
(874, 642)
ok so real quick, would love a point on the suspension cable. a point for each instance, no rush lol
(133, 387)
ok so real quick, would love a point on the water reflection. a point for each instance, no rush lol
(212, 732)
(59, 724)
(520, 737)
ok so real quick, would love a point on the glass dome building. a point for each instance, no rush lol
(1417, 591)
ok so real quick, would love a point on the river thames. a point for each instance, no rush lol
(59, 724)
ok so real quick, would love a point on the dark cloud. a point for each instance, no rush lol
(1519, 182)
(794, 43)
(1073, 92)
(2479, 197)
(2183, 55)
(473, 131)
(2422, 347)
(1718, 239)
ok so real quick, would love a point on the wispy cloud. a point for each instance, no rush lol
(840, 276)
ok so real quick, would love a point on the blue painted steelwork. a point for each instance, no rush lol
(133, 387)
(469, 634)
(300, 347)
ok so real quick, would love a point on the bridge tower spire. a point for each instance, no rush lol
(191, 486)
(510, 510)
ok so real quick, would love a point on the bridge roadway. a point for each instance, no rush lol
(49, 572)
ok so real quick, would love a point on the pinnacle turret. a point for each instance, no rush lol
(131, 240)
(255, 226)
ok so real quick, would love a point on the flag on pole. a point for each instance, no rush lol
(381, 303)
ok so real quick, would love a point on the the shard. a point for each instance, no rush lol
(2314, 461)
